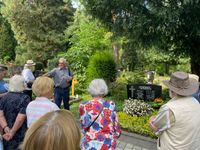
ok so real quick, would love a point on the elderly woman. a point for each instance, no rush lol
(13, 113)
(177, 122)
(43, 89)
(99, 122)
(55, 130)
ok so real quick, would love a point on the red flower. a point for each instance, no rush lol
(105, 121)
(100, 136)
(81, 110)
(97, 107)
(107, 113)
(104, 147)
(88, 107)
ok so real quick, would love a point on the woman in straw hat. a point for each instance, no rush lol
(177, 122)
(27, 73)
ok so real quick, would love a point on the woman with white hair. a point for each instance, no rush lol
(99, 122)
(13, 113)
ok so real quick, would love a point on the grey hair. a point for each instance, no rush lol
(98, 87)
(17, 83)
(63, 59)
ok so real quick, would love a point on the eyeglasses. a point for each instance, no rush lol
(61, 63)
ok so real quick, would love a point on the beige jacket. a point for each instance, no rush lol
(185, 134)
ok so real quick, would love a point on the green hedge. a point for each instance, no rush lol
(102, 65)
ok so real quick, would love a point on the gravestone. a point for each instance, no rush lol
(146, 92)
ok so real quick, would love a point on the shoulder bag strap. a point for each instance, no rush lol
(95, 118)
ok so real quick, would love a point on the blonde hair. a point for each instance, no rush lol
(56, 130)
(43, 86)
(17, 83)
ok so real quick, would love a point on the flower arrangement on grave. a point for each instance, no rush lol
(157, 103)
(134, 107)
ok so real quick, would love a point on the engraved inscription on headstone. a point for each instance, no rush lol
(145, 92)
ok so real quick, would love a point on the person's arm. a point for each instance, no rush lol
(18, 123)
(3, 122)
(164, 120)
(3, 94)
(50, 74)
(117, 127)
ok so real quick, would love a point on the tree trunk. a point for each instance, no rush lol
(116, 48)
(166, 68)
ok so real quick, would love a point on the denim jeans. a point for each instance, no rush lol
(62, 94)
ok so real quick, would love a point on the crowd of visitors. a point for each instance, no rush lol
(28, 124)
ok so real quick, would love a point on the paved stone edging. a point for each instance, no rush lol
(137, 136)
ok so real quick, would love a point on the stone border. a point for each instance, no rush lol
(141, 137)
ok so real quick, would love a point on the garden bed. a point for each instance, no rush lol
(138, 125)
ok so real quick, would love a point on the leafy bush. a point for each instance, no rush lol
(52, 63)
(136, 124)
(134, 107)
(165, 95)
(118, 90)
(132, 77)
(102, 65)
(39, 66)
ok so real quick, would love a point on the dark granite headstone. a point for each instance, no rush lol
(146, 92)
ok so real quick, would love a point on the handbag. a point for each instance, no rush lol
(95, 118)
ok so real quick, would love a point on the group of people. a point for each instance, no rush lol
(40, 124)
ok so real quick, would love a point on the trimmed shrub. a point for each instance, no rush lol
(134, 107)
(102, 65)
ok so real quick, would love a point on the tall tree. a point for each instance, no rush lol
(39, 25)
(86, 36)
(7, 40)
(170, 25)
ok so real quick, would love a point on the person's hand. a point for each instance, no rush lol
(6, 129)
(151, 125)
(8, 136)
(68, 78)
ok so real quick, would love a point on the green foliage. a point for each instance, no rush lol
(168, 25)
(134, 107)
(52, 63)
(127, 77)
(102, 65)
(7, 41)
(136, 124)
(39, 26)
(118, 90)
(165, 94)
(86, 36)
(39, 66)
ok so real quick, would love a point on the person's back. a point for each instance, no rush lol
(38, 108)
(184, 133)
(43, 89)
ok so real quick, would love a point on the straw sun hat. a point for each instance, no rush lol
(182, 84)
(29, 63)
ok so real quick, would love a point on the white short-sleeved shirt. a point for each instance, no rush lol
(28, 76)
(39, 107)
